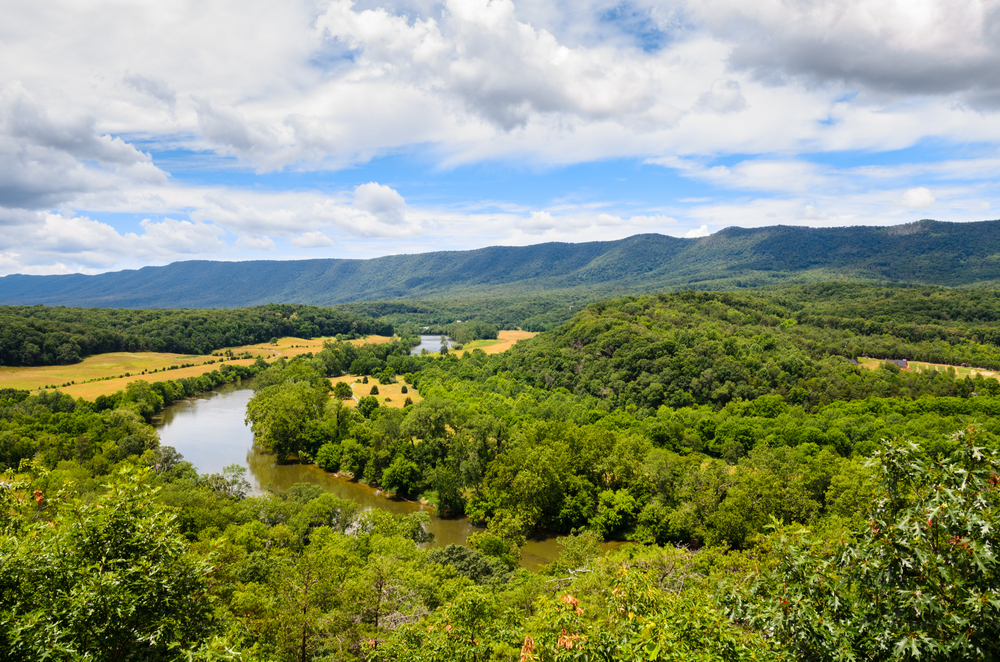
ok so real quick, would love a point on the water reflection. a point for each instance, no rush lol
(210, 432)
(431, 344)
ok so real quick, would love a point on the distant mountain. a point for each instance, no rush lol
(928, 252)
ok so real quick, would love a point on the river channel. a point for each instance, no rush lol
(209, 431)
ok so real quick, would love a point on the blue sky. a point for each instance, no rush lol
(141, 135)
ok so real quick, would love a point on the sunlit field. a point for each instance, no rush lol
(389, 395)
(505, 341)
(922, 366)
(104, 374)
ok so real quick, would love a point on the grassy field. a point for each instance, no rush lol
(389, 395)
(105, 374)
(921, 366)
(505, 341)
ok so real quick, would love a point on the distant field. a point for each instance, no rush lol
(921, 366)
(391, 391)
(505, 341)
(105, 374)
(101, 366)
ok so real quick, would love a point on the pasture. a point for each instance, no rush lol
(104, 374)
(505, 341)
(923, 366)
(389, 395)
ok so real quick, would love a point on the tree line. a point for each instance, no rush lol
(40, 335)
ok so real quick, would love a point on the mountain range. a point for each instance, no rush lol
(926, 252)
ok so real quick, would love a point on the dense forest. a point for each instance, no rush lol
(778, 501)
(40, 335)
(927, 252)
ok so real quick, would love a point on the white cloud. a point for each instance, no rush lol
(301, 85)
(262, 243)
(724, 97)
(383, 202)
(313, 239)
(697, 232)
(917, 198)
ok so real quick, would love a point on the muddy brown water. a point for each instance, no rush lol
(210, 432)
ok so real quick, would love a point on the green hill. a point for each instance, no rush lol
(927, 252)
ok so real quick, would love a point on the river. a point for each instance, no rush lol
(209, 431)
(431, 344)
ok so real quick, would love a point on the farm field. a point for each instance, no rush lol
(505, 341)
(389, 395)
(104, 374)
(922, 366)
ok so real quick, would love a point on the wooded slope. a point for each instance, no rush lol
(929, 252)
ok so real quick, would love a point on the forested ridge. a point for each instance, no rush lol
(782, 502)
(41, 335)
(927, 252)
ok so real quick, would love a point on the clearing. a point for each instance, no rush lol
(923, 366)
(504, 341)
(389, 395)
(104, 374)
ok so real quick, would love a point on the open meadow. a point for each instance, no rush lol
(104, 374)
(504, 341)
(389, 395)
(923, 366)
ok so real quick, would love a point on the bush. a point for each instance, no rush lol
(403, 390)
(374, 390)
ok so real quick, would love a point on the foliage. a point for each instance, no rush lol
(919, 581)
(110, 579)
(38, 335)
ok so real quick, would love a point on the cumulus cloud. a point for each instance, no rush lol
(46, 161)
(725, 96)
(79, 243)
(917, 198)
(500, 67)
(313, 239)
(152, 87)
(261, 243)
(697, 232)
(929, 47)
(302, 86)
(382, 201)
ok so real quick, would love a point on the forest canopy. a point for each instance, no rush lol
(770, 498)
(40, 335)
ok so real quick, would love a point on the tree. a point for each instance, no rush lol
(401, 477)
(279, 415)
(918, 582)
(374, 390)
(342, 391)
(108, 579)
(368, 405)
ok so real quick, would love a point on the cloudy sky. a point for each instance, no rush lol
(136, 133)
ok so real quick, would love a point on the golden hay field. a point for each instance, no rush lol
(505, 341)
(389, 395)
(105, 374)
